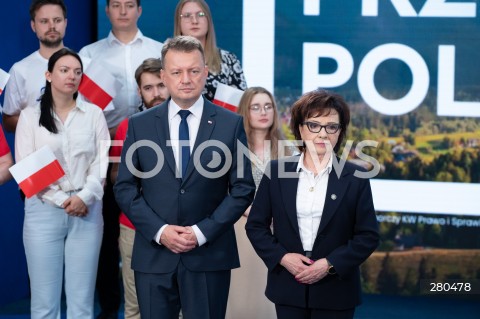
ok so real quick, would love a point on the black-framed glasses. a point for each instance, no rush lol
(315, 127)
(189, 16)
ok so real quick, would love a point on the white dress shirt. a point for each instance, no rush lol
(311, 194)
(27, 83)
(80, 146)
(122, 60)
(193, 121)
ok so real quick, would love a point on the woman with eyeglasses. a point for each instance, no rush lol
(193, 17)
(265, 142)
(324, 223)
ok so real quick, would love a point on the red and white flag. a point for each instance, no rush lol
(227, 97)
(98, 85)
(4, 76)
(37, 171)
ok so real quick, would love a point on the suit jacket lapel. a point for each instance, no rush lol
(335, 191)
(205, 130)
(163, 133)
(288, 187)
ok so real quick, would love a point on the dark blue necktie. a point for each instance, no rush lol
(183, 135)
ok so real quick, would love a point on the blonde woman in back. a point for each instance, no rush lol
(193, 18)
(247, 288)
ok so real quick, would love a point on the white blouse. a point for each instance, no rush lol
(81, 147)
(311, 192)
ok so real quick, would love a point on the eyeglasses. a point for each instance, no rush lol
(255, 108)
(315, 127)
(190, 16)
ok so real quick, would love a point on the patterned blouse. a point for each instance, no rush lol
(231, 74)
(259, 166)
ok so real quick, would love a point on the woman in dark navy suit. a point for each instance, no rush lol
(324, 223)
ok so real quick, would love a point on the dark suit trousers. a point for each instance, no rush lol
(108, 282)
(200, 295)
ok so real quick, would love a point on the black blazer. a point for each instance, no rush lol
(347, 235)
(214, 204)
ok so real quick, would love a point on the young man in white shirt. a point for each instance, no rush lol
(27, 77)
(121, 52)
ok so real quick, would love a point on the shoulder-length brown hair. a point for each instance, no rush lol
(274, 133)
(212, 53)
(318, 103)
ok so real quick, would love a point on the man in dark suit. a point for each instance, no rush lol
(183, 186)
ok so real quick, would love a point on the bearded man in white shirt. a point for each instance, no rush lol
(27, 77)
(121, 52)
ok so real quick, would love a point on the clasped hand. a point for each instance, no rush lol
(74, 206)
(178, 239)
(305, 270)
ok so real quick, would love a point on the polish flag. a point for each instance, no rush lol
(4, 149)
(98, 85)
(4, 76)
(37, 171)
(227, 97)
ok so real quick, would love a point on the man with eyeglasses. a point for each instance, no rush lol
(121, 52)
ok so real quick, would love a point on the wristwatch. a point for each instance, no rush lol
(331, 270)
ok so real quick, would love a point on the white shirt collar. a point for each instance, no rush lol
(79, 104)
(301, 166)
(196, 109)
(113, 39)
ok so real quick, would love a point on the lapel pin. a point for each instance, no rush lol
(334, 197)
(209, 122)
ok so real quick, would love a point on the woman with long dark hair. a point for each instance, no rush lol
(63, 225)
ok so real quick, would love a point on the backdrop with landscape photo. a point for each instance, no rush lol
(409, 71)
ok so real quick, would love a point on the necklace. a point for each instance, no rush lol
(312, 180)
